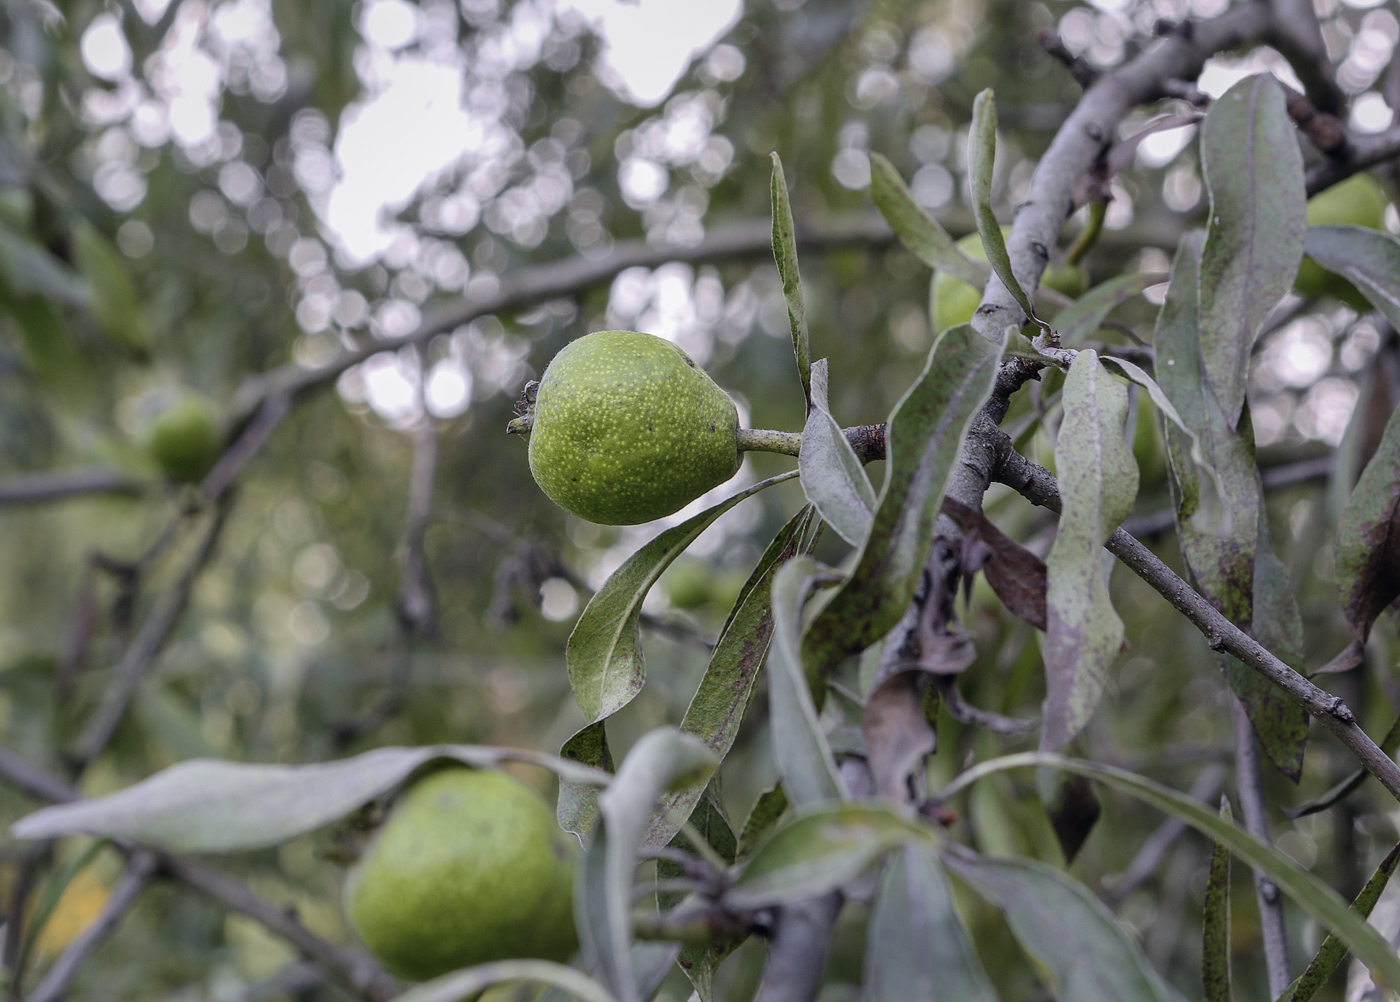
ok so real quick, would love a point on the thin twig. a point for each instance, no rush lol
(127, 675)
(351, 968)
(252, 438)
(1039, 486)
(1295, 32)
(140, 866)
(1249, 784)
(798, 950)
(37, 488)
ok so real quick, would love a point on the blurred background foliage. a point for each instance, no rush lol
(193, 192)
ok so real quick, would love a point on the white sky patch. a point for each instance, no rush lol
(104, 49)
(648, 44)
(1223, 72)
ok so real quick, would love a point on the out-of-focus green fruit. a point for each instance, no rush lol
(184, 438)
(687, 584)
(1357, 201)
(954, 301)
(470, 867)
(626, 428)
(1148, 448)
(1071, 280)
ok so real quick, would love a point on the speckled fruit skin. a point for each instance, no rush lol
(627, 429)
(1357, 201)
(470, 867)
(184, 439)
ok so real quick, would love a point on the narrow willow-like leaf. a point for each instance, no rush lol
(1333, 950)
(576, 808)
(1368, 538)
(926, 432)
(1310, 893)
(785, 256)
(604, 654)
(981, 153)
(43, 909)
(717, 709)
(663, 759)
(209, 805)
(1215, 921)
(832, 477)
(1368, 258)
(767, 809)
(822, 848)
(1221, 547)
(800, 750)
(1348, 786)
(916, 229)
(1168, 411)
(1083, 317)
(1254, 242)
(470, 982)
(917, 947)
(1068, 930)
(1098, 481)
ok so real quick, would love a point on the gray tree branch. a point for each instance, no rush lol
(1249, 783)
(39, 488)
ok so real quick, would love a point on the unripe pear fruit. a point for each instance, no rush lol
(625, 428)
(184, 438)
(1068, 279)
(1357, 201)
(954, 301)
(470, 867)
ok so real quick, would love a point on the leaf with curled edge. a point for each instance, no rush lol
(717, 708)
(1015, 574)
(833, 478)
(981, 154)
(1098, 482)
(916, 229)
(1083, 317)
(801, 753)
(661, 760)
(210, 806)
(1368, 538)
(1223, 550)
(926, 433)
(785, 257)
(917, 946)
(1367, 258)
(1254, 242)
(576, 808)
(1089, 957)
(604, 653)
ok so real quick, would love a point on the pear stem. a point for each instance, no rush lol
(785, 443)
(868, 441)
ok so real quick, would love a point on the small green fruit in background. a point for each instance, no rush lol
(625, 428)
(954, 301)
(1357, 201)
(688, 583)
(184, 438)
(1071, 280)
(470, 867)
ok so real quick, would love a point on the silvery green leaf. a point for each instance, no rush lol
(832, 477)
(981, 153)
(785, 256)
(916, 229)
(1367, 258)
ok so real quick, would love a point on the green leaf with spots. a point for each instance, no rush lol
(577, 807)
(604, 654)
(1368, 538)
(1254, 242)
(916, 229)
(767, 809)
(926, 433)
(718, 707)
(981, 154)
(1215, 921)
(1333, 950)
(832, 477)
(1098, 482)
(1222, 548)
(785, 256)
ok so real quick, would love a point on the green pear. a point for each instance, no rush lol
(625, 428)
(1357, 201)
(470, 867)
(184, 438)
